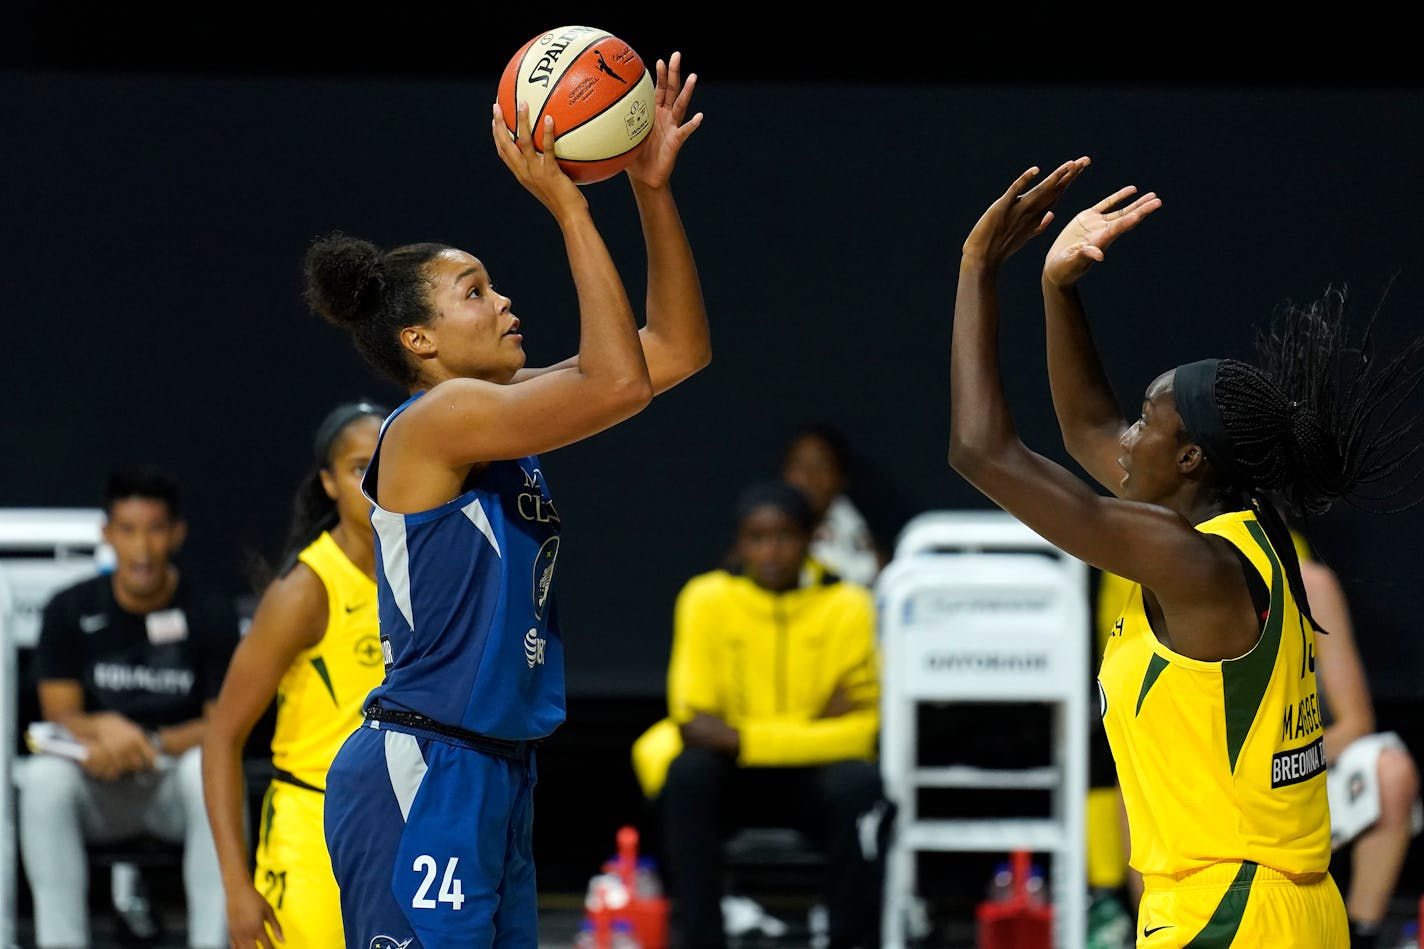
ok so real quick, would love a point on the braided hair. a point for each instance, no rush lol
(1318, 418)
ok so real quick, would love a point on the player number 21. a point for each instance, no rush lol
(450, 889)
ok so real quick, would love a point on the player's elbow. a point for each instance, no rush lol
(966, 457)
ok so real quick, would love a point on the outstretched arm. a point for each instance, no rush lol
(675, 338)
(1089, 415)
(1144, 542)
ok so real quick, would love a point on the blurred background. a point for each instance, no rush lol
(162, 170)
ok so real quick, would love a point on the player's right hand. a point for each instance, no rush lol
(119, 747)
(251, 921)
(538, 171)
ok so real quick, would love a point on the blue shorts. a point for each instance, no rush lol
(431, 842)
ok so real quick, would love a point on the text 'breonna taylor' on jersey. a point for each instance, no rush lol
(467, 615)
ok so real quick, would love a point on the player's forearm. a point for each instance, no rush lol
(223, 796)
(176, 739)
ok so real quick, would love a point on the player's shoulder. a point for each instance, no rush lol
(82, 596)
(708, 584)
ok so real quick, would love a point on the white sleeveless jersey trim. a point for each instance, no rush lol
(406, 768)
(475, 511)
(395, 559)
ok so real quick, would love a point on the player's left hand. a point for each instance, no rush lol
(654, 162)
(711, 731)
(1084, 239)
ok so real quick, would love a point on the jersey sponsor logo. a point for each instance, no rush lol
(1147, 932)
(1102, 700)
(166, 626)
(121, 677)
(534, 502)
(1302, 764)
(93, 622)
(543, 580)
(358, 606)
(534, 648)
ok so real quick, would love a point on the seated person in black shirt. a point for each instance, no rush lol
(128, 663)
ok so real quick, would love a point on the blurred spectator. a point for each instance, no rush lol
(127, 663)
(773, 698)
(817, 459)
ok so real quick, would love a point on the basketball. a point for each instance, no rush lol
(597, 90)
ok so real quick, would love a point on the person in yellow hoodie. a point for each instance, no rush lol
(773, 719)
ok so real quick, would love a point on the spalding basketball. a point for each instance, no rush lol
(596, 88)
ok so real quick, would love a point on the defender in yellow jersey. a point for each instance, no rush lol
(314, 649)
(1208, 681)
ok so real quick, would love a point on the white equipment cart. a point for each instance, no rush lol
(976, 607)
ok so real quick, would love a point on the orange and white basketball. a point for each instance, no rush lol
(597, 90)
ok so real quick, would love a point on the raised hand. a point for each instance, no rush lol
(1020, 213)
(655, 159)
(537, 170)
(1084, 239)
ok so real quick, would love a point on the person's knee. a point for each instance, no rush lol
(1398, 779)
(853, 787)
(695, 774)
(48, 785)
(190, 773)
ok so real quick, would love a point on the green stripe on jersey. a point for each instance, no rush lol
(1244, 681)
(1220, 930)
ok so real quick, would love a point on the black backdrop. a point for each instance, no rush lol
(157, 195)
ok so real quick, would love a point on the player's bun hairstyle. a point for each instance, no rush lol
(1321, 418)
(371, 294)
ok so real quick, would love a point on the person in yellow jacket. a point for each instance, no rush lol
(773, 720)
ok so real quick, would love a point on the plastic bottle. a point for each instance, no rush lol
(1035, 886)
(1001, 884)
(647, 885)
(586, 938)
(623, 936)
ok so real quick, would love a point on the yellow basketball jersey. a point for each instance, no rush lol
(1220, 760)
(321, 695)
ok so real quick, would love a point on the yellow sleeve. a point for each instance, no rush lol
(787, 742)
(691, 683)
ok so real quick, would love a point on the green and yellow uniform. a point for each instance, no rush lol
(319, 702)
(1222, 769)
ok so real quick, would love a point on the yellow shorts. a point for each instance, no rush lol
(1241, 905)
(293, 870)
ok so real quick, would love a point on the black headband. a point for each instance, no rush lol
(336, 421)
(1194, 390)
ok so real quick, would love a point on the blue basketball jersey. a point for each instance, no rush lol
(465, 594)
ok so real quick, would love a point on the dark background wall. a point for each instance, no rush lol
(158, 193)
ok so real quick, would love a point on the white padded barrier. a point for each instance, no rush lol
(976, 607)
